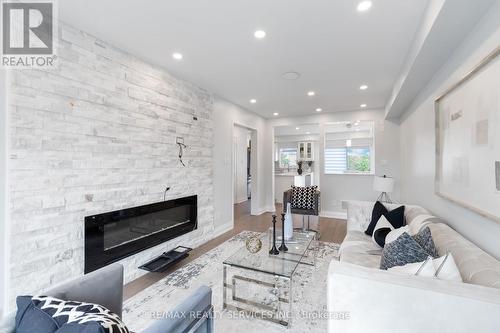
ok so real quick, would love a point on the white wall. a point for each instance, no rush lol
(3, 193)
(226, 115)
(240, 145)
(418, 138)
(336, 188)
(98, 135)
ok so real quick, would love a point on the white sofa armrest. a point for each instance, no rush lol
(382, 301)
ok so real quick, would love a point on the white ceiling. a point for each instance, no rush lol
(305, 129)
(334, 47)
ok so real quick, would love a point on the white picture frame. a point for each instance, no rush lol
(468, 140)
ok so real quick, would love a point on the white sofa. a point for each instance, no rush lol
(363, 298)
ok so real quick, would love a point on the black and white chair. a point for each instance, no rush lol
(304, 201)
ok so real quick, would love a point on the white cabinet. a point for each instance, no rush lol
(306, 151)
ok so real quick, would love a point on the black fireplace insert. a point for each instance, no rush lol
(112, 236)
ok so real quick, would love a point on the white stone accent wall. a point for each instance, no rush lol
(98, 134)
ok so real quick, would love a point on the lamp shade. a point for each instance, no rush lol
(383, 184)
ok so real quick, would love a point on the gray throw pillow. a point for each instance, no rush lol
(404, 250)
(424, 239)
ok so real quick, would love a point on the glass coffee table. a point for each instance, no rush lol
(260, 284)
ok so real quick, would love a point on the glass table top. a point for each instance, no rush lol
(283, 264)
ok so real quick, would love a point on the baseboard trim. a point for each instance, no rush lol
(334, 214)
(241, 200)
(223, 228)
(262, 210)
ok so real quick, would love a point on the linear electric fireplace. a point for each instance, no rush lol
(112, 236)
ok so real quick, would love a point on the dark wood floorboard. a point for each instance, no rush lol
(331, 230)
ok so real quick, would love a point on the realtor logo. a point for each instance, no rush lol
(27, 34)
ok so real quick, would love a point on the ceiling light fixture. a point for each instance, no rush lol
(290, 75)
(297, 128)
(253, 101)
(363, 105)
(177, 56)
(308, 133)
(363, 87)
(319, 109)
(276, 114)
(311, 93)
(259, 34)
(363, 6)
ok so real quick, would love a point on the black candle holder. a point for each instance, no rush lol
(283, 246)
(274, 250)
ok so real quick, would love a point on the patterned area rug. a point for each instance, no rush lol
(309, 292)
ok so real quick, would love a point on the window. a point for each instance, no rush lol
(288, 157)
(349, 148)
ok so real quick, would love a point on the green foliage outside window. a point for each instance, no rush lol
(358, 160)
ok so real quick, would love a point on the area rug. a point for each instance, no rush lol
(309, 292)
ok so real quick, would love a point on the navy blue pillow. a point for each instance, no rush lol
(404, 250)
(30, 318)
(42, 314)
(424, 239)
(396, 217)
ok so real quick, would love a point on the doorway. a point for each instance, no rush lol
(244, 171)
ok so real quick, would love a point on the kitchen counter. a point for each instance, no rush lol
(291, 174)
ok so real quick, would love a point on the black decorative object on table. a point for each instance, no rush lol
(299, 167)
(283, 246)
(274, 250)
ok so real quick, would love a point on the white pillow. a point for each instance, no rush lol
(424, 269)
(381, 223)
(446, 268)
(443, 268)
(395, 233)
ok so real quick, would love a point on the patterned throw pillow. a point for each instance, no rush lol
(303, 197)
(424, 239)
(43, 314)
(404, 250)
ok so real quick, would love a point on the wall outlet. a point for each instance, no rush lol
(179, 140)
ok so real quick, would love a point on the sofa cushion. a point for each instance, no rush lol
(45, 314)
(358, 242)
(475, 265)
(404, 250)
(362, 259)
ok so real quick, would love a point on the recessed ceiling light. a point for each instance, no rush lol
(259, 34)
(276, 114)
(297, 128)
(363, 87)
(363, 6)
(363, 105)
(311, 93)
(308, 132)
(319, 109)
(290, 75)
(253, 101)
(177, 56)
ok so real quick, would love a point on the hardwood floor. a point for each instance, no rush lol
(331, 230)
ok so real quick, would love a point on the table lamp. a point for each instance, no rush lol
(384, 185)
